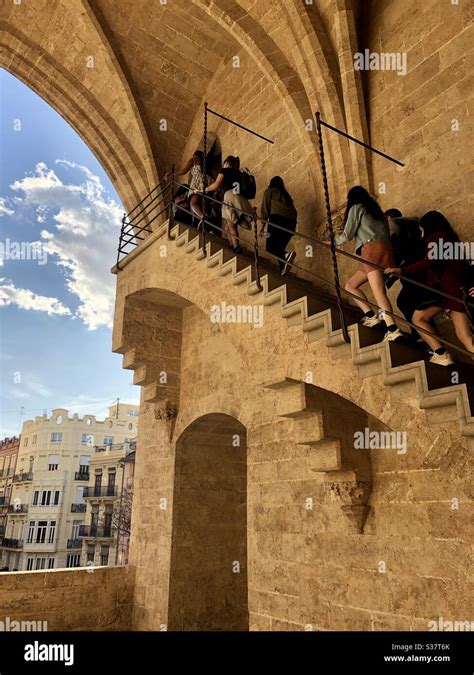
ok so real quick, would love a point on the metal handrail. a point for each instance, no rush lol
(341, 252)
(146, 197)
(204, 221)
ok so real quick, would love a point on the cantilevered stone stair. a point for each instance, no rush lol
(304, 304)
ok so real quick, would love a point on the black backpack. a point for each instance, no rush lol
(248, 184)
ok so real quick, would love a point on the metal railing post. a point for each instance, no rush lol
(332, 237)
(255, 249)
(171, 211)
(202, 226)
(119, 250)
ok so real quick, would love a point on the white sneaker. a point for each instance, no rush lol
(392, 335)
(370, 321)
(441, 359)
(289, 257)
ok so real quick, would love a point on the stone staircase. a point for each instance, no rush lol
(316, 311)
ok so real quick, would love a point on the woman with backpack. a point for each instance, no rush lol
(444, 273)
(236, 208)
(278, 209)
(364, 221)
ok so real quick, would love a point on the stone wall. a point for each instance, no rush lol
(306, 566)
(72, 599)
(425, 117)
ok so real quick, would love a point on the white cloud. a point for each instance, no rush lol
(26, 299)
(4, 210)
(84, 239)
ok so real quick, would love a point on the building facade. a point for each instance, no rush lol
(47, 505)
(109, 495)
(8, 458)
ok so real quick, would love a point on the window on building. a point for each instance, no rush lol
(52, 532)
(46, 498)
(31, 531)
(53, 462)
(79, 499)
(57, 494)
(73, 560)
(108, 520)
(84, 464)
(41, 532)
(104, 555)
(34, 439)
(98, 482)
(50, 563)
(132, 413)
(87, 439)
(108, 440)
(111, 482)
(75, 528)
(35, 497)
(29, 564)
(25, 443)
(40, 563)
(90, 553)
(56, 438)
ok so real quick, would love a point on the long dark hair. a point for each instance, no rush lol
(434, 221)
(359, 195)
(200, 156)
(277, 182)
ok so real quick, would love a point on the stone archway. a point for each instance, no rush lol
(208, 574)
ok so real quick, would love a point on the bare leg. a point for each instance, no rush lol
(353, 286)
(422, 318)
(463, 329)
(196, 205)
(377, 285)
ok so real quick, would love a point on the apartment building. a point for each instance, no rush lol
(8, 457)
(48, 504)
(105, 534)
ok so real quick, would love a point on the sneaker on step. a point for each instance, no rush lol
(393, 335)
(289, 257)
(370, 321)
(441, 359)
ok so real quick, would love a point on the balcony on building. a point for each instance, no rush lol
(78, 508)
(82, 475)
(23, 477)
(100, 492)
(18, 508)
(12, 543)
(74, 543)
(95, 532)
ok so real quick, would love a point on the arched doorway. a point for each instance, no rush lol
(208, 578)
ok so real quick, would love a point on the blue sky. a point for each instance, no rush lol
(56, 302)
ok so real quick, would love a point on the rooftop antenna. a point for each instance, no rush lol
(22, 412)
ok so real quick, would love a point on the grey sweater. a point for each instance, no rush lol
(362, 227)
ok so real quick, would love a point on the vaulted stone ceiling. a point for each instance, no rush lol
(115, 69)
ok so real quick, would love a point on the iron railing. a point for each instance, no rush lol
(74, 543)
(81, 475)
(23, 477)
(78, 508)
(18, 508)
(12, 543)
(106, 491)
(98, 531)
(336, 253)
